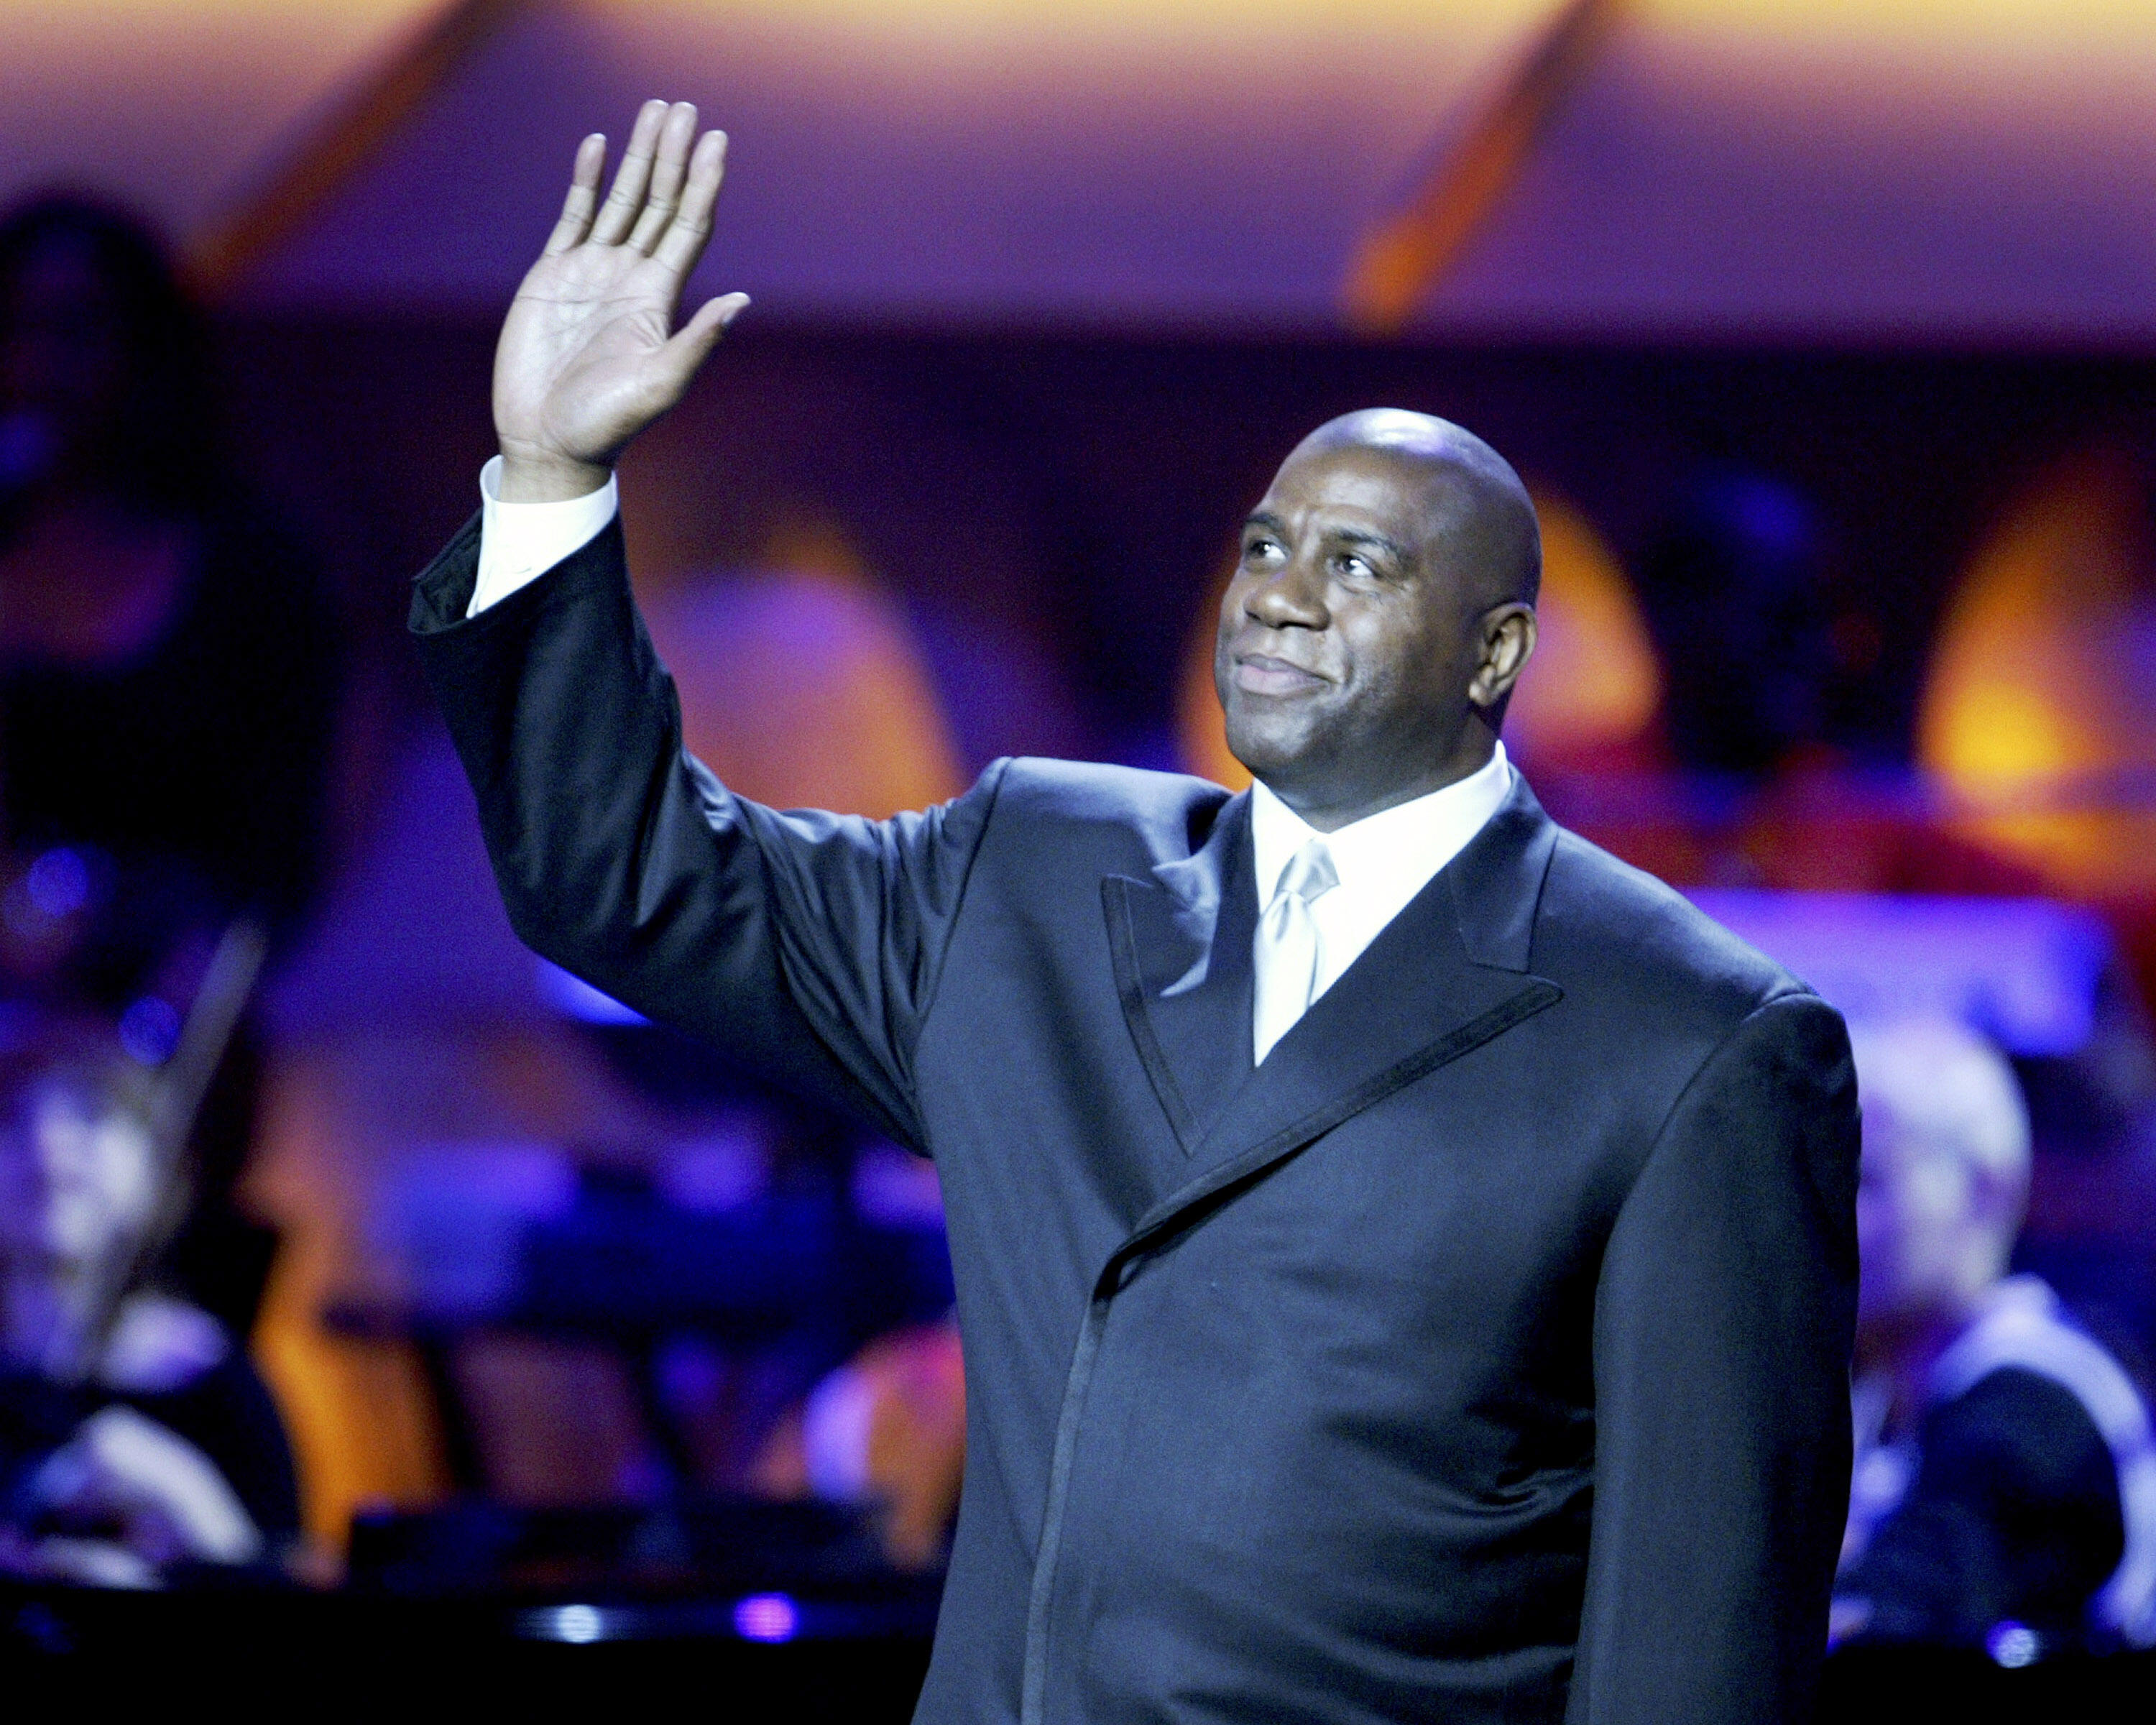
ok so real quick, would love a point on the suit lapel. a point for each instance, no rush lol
(1448, 974)
(1182, 944)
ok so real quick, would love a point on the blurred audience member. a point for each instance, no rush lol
(169, 667)
(135, 1439)
(2005, 1488)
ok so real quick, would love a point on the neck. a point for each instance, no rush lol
(1331, 804)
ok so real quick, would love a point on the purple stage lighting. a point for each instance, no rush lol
(767, 1617)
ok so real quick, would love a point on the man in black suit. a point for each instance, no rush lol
(1405, 1256)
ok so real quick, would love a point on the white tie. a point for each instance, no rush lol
(1287, 945)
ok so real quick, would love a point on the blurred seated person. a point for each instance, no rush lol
(2004, 1494)
(136, 1442)
(1737, 580)
(169, 661)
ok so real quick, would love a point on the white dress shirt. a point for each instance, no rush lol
(519, 542)
(1383, 860)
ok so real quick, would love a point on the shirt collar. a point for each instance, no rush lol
(1391, 853)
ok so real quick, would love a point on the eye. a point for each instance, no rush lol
(1354, 565)
(1262, 548)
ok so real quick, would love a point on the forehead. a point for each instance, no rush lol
(1401, 498)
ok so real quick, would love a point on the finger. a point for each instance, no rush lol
(618, 213)
(686, 235)
(667, 173)
(583, 199)
(690, 346)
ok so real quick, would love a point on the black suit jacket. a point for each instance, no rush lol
(1481, 1356)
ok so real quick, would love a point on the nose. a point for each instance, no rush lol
(1292, 597)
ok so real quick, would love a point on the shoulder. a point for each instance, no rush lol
(1067, 800)
(1607, 928)
(160, 1345)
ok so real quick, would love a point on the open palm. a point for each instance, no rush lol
(588, 355)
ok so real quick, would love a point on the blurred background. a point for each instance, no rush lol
(1824, 334)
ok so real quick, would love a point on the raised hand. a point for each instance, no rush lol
(588, 355)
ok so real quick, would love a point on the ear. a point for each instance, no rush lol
(1508, 635)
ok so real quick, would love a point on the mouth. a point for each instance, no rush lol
(1262, 673)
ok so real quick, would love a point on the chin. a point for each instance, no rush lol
(1296, 741)
(1271, 751)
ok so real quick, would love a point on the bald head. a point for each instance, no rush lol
(1381, 607)
(1475, 500)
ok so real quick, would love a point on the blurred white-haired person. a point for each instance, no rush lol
(2004, 1489)
(138, 1445)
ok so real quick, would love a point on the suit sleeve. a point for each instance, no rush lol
(805, 946)
(1723, 1324)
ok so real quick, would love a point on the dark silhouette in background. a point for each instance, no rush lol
(1735, 580)
(169, 676)
(168, 661)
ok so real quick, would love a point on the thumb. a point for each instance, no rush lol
(689, 347)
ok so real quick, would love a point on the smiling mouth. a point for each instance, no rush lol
(1261, 673)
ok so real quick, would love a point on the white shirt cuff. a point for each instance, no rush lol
(518, 542)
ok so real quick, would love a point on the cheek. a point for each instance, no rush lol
(1231, 614)
(1392, 664)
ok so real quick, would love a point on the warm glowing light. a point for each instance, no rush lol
(178, 106)
(2033, 30)
(1079, 25)
(1201, 733)
(1110, 158)
(1592, 695)
(802, 685)
(2038, 710)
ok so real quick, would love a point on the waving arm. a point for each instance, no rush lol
(807, 946)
